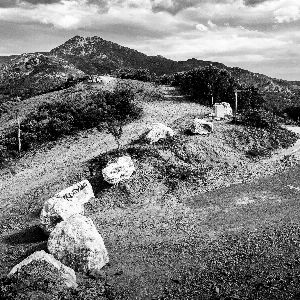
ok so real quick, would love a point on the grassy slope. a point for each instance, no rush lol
(155, 246)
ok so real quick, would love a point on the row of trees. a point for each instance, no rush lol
(211, 85)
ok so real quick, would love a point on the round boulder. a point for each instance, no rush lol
(56, 210)
(118, 171)
(41, 266)
(77, 243)
(159, 131)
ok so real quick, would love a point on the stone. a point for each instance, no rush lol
(228, 109)
(81, 192)
(56, 210)
(41, 261)
(159, 131)
(200, 126)
(219, 111)
(77, 243)
(118, 171)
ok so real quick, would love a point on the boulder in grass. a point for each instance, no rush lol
(81, 192)
(118, 171)
(56, 210)
(202, 127)
(77, 243)
(41, 267)
(159, 131)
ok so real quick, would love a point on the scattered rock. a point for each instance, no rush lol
(228, 109)
(81, 192)
(77, 243)
(202, 127)
(159, 131)
(40, 263)
(118, 171)
(56, 210)
(219, 111)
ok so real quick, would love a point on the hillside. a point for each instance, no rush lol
(165, 233)
(21, 75)
(6, 59)
(35, 73)
(93, 55)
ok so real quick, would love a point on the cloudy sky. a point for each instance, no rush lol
(259, 35)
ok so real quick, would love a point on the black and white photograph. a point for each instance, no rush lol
(149, 149)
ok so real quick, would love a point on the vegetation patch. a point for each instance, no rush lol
(53, 120)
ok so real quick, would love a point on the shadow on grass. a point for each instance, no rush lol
(33, 234)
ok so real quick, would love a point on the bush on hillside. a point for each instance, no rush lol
(250, 98)
(121, 110)
(53, 120)
(259, 118)
(202, 84)
(265, 130)
(135, 74)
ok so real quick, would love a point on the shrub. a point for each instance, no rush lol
(135, 74)
(202, 84)
(259, 118)
(56, 119)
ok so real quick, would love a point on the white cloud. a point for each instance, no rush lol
(287, 14)
(201, 27)
(134, 24)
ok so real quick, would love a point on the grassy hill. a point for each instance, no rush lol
(176, 225)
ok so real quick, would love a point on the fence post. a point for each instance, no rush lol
(19, 132)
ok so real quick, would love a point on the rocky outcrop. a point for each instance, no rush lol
(159, 131)
(202, 127)
(120, 170)
(56, 210)
(40, 263)
(33, 74)
(77, 243)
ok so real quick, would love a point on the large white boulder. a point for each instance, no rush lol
(41, 260)
(77, 243)
(159, 131)
(81, 192)
(202, 127)
(219, 111)
(228, 109)
(118, 171)
(56, 210)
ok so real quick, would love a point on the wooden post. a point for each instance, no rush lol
(19, 132)
(212, 100)
(236, 100)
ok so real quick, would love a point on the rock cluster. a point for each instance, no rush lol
(74, 242)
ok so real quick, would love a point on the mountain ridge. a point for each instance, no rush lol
(96, 56)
